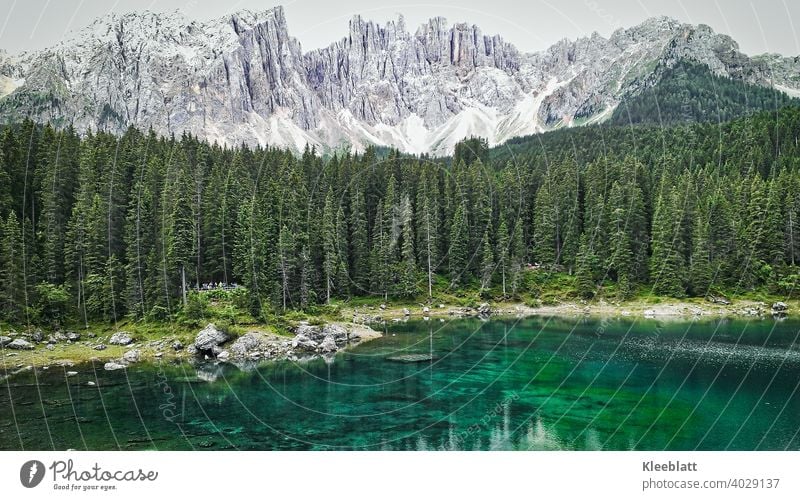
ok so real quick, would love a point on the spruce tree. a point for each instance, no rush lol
(700, 272)
(585, 264)
(359, 248)
(408, 272)
(342, 254)
(503, 251)
(517, 259)
(487, 262)
(380, 260)
(12, 279)
(286, 266)
(666, 262)
(331, 254)
(459, 246)
(621, 260)
(546, 227)
(428, 227)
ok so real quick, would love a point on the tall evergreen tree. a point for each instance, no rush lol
(666, 263)
(459, 251)
(359, 248)
(428, 228)
(517, 259)
(700, 272)
(331, 255)
(487, 262)
(407, 285)
(12, 279)
(585, 264)
(503, 252)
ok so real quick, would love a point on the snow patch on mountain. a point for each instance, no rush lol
(243, 78)
(9, 85)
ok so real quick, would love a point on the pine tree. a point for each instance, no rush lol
(58, 180)
(569, 215)
(6, 199)
(359, 249)
(342, 254)
(700, 272)
(307, 295)
(286, 266)
(408, 273)
(517, 259)
(546, 227)
(380, 255)
(180, 228)
(666, 263)
(459, 241)
(331, 254)
(502, 251)
(621, 260)
(139, 242)
(428, 228)
(12, 279)
(585, 263)
(487, 262)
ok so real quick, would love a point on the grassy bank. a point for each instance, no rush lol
(545, 294)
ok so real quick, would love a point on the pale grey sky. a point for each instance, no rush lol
(758, 26)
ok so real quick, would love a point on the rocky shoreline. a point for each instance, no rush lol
(677, 310)
(122, 349)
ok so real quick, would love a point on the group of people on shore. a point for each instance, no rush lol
(206, 287)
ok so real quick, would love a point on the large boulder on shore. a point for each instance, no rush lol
(779, 307)
(328, 345)
(132, 356)
(121, 338)
(19, 344)
(210, 337)
(302, 342)
(245, 345)
(310, 331)
(338, 332)
(113, 365)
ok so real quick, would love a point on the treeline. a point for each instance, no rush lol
(102, 227)
(690, 92)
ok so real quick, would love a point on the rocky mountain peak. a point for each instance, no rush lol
(247, 20)
(243, 77)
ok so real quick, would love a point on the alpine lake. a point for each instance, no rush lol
(536, 383)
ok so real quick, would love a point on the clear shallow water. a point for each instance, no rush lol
(535, 383)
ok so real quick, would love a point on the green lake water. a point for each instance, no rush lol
(505, 384)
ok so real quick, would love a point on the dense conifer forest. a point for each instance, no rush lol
(690, 92)
(100, 228)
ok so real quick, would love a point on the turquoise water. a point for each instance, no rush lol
(535, 383)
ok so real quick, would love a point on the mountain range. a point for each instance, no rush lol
(243, 79)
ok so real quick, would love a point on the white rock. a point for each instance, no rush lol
(121, 338)
(210, 337)
(19, 344)
(132, 356)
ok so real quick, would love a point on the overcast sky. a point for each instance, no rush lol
(759, 26)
